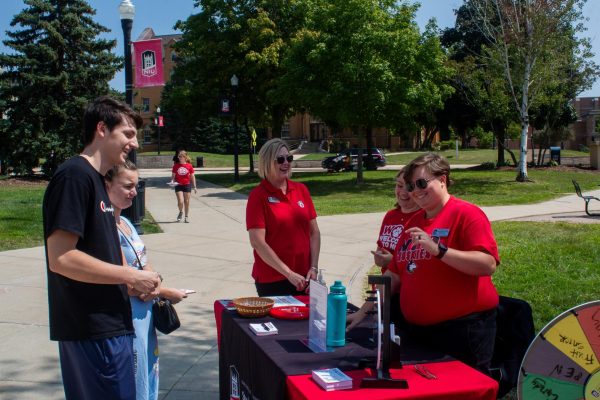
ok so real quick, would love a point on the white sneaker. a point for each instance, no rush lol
(186, 220)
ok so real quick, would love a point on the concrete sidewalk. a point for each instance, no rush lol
(211, 255)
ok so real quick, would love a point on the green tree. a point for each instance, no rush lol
(57, 67)
(533, 42)
(480, 99)
(364, 64)
(245, 38)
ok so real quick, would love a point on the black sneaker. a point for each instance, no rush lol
(179, 216)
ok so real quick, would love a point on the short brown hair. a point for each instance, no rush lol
(435, 164)
(111, 112)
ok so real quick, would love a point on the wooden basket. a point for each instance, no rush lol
(253, 307)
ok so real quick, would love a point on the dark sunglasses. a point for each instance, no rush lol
(282, 159)
(420, 183)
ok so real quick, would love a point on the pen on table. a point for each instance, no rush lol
(266, 327)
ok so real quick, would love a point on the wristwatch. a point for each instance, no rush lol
(442, 250)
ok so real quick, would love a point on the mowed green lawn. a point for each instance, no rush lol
(210, 160)
(337, 193)
(21, 216)
(468, 156)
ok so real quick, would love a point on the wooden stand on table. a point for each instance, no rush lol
(382, 380)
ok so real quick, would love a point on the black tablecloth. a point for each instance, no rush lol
(257, 366)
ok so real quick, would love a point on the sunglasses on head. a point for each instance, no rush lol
(420, 183)
(282, 159)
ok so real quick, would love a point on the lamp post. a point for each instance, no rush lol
(158, 125)
(236, 171)
(127, 12)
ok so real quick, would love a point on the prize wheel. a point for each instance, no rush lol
(562, 361)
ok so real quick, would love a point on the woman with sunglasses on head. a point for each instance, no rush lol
(183, 175)
(443, 267)
(282, 225)
(121, 183)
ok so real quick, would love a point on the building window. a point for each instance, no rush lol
(285, 130)
(145, 104)
(173, 56)
(147, 134)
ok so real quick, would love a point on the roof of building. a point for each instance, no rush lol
(148, 34)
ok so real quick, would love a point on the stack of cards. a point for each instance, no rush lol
(264, 329)
(332, 379)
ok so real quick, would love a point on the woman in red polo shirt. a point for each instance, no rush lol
(282, 225)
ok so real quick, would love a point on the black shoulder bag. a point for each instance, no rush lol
(164, 316)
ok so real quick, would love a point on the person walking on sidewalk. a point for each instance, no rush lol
(121, 184)
(282, 225)
(183, 175)
(89, 309)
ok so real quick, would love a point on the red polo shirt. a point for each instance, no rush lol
(286, 219)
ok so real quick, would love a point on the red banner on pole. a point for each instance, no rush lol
(148, 63)
(161, 121)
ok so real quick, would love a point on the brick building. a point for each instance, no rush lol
(584, 131)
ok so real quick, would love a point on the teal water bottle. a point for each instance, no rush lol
(336, 315)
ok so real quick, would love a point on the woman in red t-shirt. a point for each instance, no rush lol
(282, 225)
(183, 175)
(393, 224)
(392, 227)
(443, 265)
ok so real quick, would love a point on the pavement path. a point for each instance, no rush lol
(211, 255)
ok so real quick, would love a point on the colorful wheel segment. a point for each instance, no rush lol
(562, 362)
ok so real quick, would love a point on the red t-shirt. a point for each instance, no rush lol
(183, 173)
(286, 219)
(432, 291)
(392, 227)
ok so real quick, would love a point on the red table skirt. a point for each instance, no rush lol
(455, 381)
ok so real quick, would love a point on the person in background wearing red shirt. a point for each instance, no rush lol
(282, 224)
(392, 227)
(183, 175)
(443, 267)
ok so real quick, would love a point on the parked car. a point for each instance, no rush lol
(348, 160)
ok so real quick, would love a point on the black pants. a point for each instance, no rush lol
(278, 288)
(469, 339)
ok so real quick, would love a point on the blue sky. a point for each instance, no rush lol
(161, 16)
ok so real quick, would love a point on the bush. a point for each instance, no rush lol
(488, 165)
(445, 145)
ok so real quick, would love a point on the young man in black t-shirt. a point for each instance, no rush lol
(90, 314)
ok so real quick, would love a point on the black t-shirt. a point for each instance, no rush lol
(76, 201)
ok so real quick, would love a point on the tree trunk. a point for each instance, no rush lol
(277, 121)
(369, 164)
(359, 162)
